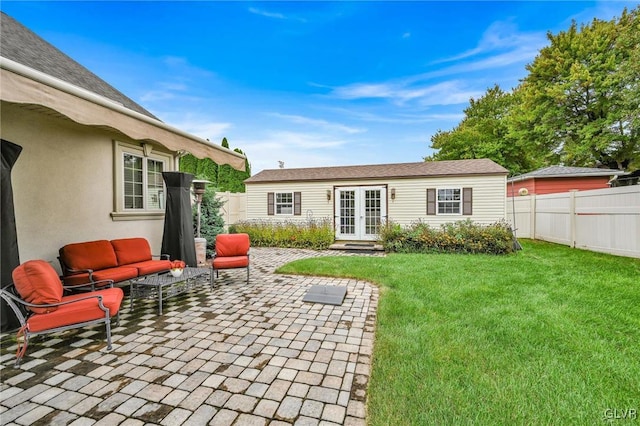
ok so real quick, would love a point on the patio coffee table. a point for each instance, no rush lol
(165, 285)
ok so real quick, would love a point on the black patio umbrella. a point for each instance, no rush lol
(10, 256)
(178, 239)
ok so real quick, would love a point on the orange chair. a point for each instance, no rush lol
(232, 252)
(36, 297)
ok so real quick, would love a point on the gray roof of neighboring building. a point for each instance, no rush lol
(565, 172)
(22, 45)
(382, 171)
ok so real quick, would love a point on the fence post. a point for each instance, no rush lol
(532, 215)
(572, 216)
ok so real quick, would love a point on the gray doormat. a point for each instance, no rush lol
(327, 294)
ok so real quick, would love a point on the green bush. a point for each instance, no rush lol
(311, 234)
(211, 222)
(456, 237)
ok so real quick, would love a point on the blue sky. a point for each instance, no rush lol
(308, 83)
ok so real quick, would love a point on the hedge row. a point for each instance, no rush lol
(311, 234)
(458, 237)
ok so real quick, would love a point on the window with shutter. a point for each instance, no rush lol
(450, 201)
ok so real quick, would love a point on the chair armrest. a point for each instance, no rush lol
(17, 299)
(93, 284)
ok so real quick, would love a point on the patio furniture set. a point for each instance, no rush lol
(88, 295)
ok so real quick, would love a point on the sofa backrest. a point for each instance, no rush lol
(37, 282)
(131, 250)
(94, 255)
(232, 245)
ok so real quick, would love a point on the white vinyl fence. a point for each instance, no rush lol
(604, 220)
(234, 208)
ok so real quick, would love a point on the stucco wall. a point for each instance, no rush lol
(63, 185)
(409, 205)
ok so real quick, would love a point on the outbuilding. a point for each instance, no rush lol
(357, 199)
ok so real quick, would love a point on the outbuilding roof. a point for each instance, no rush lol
(565, 172)
(382, 171)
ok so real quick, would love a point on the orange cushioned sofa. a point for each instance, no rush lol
(117, 260)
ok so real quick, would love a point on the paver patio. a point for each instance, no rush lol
(238, 355)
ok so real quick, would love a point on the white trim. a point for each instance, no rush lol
(460, 202)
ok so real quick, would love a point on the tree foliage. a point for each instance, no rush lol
(230, 179)
(223, 177)
(211, 222)
(579, 105)
(484, 133)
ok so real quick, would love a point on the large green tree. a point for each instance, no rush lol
(484, 133)
(201, 168)
(580, 98)
(579, 105)
(230, 179)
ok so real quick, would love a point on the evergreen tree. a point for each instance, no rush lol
(211, 221)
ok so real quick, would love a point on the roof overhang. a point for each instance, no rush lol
(607, 173)
(24, 85)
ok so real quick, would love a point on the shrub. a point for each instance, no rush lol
(312, 234)
(211, 222)
(456, 237)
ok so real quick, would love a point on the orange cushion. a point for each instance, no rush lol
(81, 311)
(76, 279)
(232, 245)
(151, 266)
(121, 273)
(90, 255)
(131, 250)
(230, 262)
(37, 282)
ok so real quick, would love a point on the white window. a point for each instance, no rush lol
(449, 201)
(143, 186)
(284, 203)
(139, 191)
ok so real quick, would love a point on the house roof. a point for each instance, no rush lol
(565, 172)
(37, 76)
(382, 171)
(22, 45)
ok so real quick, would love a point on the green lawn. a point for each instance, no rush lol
(549, 335)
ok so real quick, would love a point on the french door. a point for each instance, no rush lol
(359, 212)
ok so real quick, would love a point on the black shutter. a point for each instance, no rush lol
(297, 203)
(467, 201)
(270, 204)
(431, 201)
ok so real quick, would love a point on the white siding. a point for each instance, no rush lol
(409, 205)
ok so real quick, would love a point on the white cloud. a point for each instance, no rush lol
(320, 123)
(200, 126)
(406, 35)
(274, 15)
(409, 90)
(261, 12)
(501, 36)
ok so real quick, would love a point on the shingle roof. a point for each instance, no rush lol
(382, 171)
(22, 45)
(563, 171)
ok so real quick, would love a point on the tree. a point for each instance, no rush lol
(211, 222)
(580, 98)
(201, 168)
(230, 179)
(483, 133)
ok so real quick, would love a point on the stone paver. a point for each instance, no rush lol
(241, 354)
